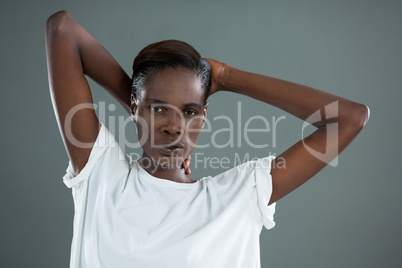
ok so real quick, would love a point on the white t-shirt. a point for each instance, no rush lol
(125, 217)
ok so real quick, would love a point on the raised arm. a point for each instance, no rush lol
(73, 53)
(301, 101)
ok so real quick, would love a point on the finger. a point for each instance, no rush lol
(187, 171)
(186, 164)
(187, 161)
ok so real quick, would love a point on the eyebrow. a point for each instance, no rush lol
(192, 104)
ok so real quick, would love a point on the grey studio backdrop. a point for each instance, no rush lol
(346, 216)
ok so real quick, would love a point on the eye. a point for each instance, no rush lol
(156, 109)
(190, 112)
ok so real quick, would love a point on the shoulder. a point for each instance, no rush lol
(107, 160)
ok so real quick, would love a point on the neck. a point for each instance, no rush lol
(172, 173)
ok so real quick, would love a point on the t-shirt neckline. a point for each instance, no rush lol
(165, 182)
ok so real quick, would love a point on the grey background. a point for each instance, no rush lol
(346, 216)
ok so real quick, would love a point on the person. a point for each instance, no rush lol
(150, 212)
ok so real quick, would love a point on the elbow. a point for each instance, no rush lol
(56, 22)
(363, 115)
(366, 115)
(357, 119)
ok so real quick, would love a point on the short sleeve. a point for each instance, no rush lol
(103, 143)
(263, 184)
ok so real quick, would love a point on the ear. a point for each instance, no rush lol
(204, 113)
(133, 106)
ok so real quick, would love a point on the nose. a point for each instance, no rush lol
(173, 124)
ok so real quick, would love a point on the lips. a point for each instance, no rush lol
(171, 145)
(171, 148)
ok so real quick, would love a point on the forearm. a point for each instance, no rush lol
(97, 63)
(296, 99)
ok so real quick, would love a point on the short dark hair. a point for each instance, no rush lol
(169, 53)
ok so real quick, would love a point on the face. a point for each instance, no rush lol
(169, 115)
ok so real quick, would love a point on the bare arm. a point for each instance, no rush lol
(300, 101)
(73, 53)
